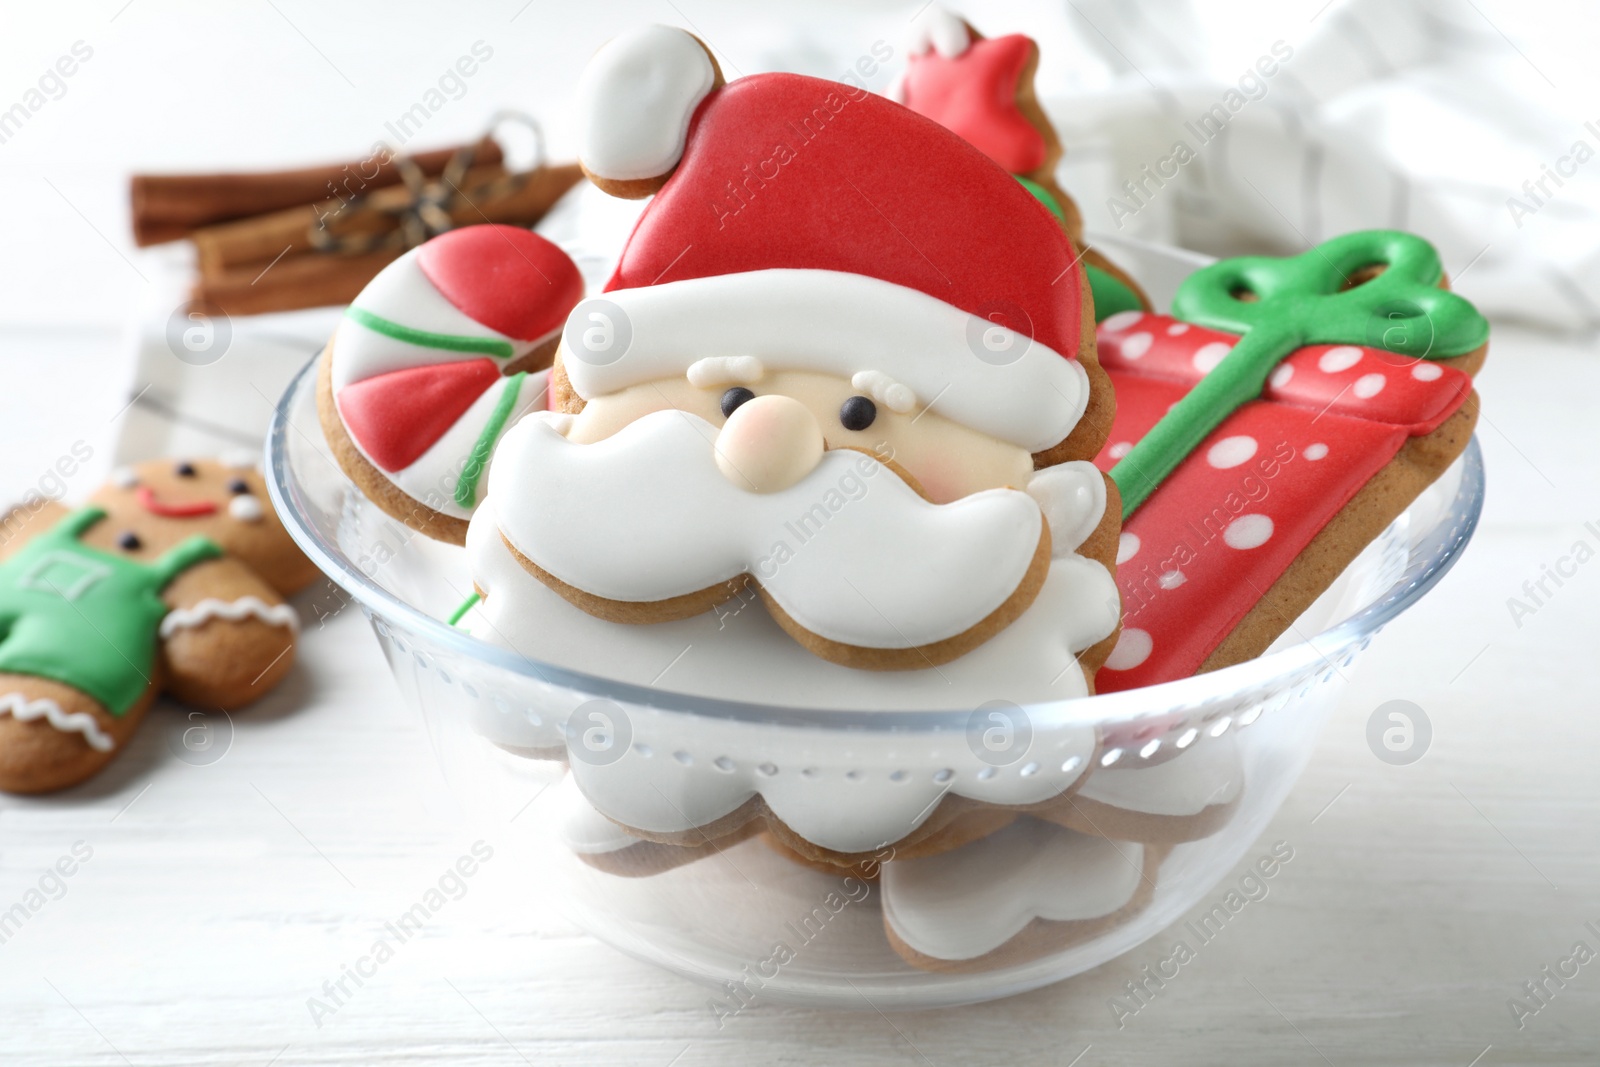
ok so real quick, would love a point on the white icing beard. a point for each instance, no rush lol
(850, 552)
(709, 767)
(737, 652)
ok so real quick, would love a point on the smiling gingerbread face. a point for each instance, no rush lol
(155, 505)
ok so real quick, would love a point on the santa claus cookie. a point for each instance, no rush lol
(840, 390)
(1268, 430)
(821, 420)
(435, 359)
(171, 579)
(982, 88)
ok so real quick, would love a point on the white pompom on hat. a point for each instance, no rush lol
(635, 100)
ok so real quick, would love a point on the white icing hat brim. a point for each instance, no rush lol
(968, 369)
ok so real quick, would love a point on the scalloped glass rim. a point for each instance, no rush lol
(1434, 552)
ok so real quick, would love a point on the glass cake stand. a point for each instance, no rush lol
(502, 725)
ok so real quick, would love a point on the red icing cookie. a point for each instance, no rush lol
(975, 94)
(982, 89)
(1197, 557)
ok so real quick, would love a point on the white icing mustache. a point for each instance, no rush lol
(850, 552)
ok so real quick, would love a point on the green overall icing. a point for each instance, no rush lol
(1111, 294)
(461, 612)
(450, 342)
(87, 618)
(467, 486)
(1300, 302)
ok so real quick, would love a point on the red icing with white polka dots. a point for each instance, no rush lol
(1224, 526)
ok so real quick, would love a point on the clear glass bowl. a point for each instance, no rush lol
(503, 725)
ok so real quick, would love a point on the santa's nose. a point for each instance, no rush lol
(769, 443)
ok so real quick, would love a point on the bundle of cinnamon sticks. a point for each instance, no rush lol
(315, 236)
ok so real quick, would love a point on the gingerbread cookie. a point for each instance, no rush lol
(435, 359)
(835, 422)
(1268, 430)
(982, 88)
(1029, 890)
(795, 374)
(171, 580)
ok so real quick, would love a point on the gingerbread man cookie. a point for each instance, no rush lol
(171, 579)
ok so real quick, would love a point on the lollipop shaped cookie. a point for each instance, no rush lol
(435, 359)
(171, 580)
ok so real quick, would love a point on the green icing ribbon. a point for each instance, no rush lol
(449, 342)
(467, 485)
(1300, 300)
(461, 612)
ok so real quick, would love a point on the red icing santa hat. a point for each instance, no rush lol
(811, 225)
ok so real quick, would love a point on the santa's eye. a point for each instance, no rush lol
(237, 486)
(184, 470)
(733, 398)
(857, 413)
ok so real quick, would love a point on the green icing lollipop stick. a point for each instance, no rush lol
(1300, 300)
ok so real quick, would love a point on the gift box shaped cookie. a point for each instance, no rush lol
(1268, 430)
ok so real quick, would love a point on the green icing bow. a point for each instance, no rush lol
(1300, 300)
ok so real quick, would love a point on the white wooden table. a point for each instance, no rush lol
(218, 899)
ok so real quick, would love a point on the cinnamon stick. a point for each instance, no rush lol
(166, 207)
(269, 264)
(310, 279)
(230, 244)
